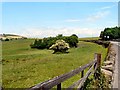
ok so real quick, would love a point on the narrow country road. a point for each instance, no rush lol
(116, 76)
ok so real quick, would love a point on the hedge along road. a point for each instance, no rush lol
(116, 76)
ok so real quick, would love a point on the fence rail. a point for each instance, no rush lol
(59, 79)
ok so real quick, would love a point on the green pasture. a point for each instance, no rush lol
(89, 38)
(24, 67)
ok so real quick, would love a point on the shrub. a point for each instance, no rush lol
(38, 44)
(6, 39)
(60, 46)
(72, 40)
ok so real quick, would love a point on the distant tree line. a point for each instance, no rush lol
(9, 39)
(110, 33)
(49, 41)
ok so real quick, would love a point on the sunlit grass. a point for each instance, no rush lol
(24, 67)
(90, 38)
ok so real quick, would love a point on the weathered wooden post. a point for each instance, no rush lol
(59, 86)
(82, 73)
(98, 60)
(98, 64)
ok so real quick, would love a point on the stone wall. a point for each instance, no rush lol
(108, 65)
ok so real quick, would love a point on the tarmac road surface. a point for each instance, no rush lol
(116, 75)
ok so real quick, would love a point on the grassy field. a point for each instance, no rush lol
(89, 38)
(24, 67)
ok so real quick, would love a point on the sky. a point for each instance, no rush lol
(44, 19)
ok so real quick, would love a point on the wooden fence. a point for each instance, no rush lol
(79, 84)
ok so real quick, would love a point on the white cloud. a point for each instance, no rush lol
(47, 32)
(72, 20)
(97, 16)
(108, 7)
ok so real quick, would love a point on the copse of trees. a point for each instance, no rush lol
(49, 41)
(110, 33)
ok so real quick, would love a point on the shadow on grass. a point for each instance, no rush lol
(60, 52)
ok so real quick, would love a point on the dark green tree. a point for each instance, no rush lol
(110, 33)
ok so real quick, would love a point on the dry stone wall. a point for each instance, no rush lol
(108, 65)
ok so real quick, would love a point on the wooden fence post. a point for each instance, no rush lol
(98, 60)
(82, 73)
(98, 64)
(59, 86)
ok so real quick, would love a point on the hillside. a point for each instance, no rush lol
(11, 36)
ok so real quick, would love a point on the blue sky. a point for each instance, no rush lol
(42, 19)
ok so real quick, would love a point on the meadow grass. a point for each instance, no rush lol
(24, 67)
(89, 38)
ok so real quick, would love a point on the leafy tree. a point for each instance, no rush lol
(72, 40)
(74, 35)
(112, 33)
(38, 44)
(102, 34)
(60, 36)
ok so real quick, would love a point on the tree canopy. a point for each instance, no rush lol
(110, 33)
(49, 41)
